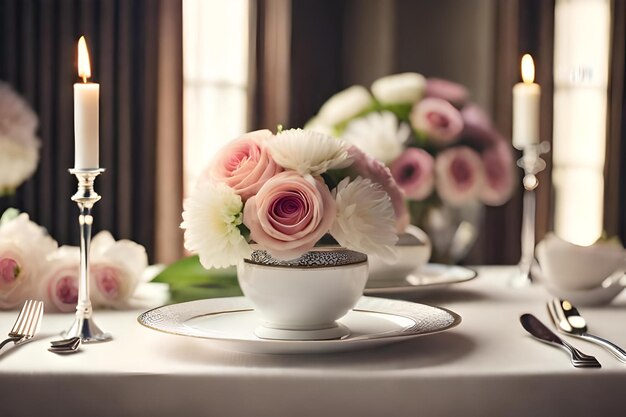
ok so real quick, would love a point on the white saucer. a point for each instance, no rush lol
(230, 322)
(427, 278)
(591, 297)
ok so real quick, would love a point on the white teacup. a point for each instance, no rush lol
(568, 266)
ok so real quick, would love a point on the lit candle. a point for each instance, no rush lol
(86, 96)
(526, 96)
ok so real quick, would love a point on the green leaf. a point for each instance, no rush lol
(402, 111)
(189, 280)
(191, 293)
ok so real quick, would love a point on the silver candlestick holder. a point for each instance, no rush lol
(532, 164)
(84, 326)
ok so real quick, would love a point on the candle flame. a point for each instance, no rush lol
(84, 68)
(528, 69)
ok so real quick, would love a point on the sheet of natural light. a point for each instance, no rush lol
(215, 78)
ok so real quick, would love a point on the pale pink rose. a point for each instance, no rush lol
(16, 279)
(438, 120)
(24, 247)
(368, 167)
(459, 175)
(413, 171)
(477, 127)
(243, 164)
(447, 90)
(59, 286)
(289, 214)
(116, 270)
(499, 174)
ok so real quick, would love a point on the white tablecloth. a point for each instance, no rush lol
(488, 366)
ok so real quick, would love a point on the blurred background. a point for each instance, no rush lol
(179, 78)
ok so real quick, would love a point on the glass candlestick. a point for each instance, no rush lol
(532, 164)
(84, 326)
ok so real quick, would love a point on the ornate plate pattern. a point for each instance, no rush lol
(401, 320)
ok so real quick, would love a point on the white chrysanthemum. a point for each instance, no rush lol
(211, 218)
(17, 163)
(366, 221)
(379, 135)
(308, 152)
(345, 105)
(402, 88)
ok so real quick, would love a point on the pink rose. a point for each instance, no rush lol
(24, 247)
(413, 171)
(437, 119)
(15, 279)
(60, 284)
(368, 167)
(459, 175)
(289, 214)
(244, 164)
(108, 284)
(477, 127)
(447, 90)
(499, 174)
(116, 270)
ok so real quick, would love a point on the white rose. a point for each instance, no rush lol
(24, 247)
(402, 88)
(116, 269)
(344, 105)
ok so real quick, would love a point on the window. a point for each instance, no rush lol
(215, 78)
(581, 62)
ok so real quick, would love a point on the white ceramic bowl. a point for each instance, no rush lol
(571, 267)
(413, 250)
(302, 299)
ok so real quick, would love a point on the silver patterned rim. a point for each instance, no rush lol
(171, 319)
(323, 257)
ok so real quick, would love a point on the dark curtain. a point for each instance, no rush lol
(615, 168)
(38, 49)
(298, 59)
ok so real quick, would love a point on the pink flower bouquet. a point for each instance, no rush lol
(441, 148)
(277, 193)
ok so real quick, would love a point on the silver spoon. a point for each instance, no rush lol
(540, 332)
(569, 321)
(70, 345)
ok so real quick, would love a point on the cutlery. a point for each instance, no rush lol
(538, 330)
(568, 320)
(70, 345)
(27, 323)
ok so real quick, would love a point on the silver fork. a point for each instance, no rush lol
(27, 324)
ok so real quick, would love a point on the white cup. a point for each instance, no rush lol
(567, 266)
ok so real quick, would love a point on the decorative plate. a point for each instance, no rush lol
(229, 323)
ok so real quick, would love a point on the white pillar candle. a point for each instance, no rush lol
(86, 103)
(526, 97)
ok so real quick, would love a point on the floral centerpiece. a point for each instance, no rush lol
(19, 145)
(271, 205)
(275, 192)
(442, 149)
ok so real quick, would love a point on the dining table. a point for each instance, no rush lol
(486, 366)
